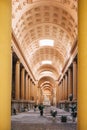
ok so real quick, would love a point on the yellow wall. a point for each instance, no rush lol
(82, 66)
(5, 64)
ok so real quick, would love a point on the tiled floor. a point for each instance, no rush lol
(33, 121)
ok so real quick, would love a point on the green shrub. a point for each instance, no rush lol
(53, 113)
(63, 118)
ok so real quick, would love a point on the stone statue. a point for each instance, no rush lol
(46, 100)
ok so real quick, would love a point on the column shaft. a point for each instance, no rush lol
(74, 80)
(32, 90)
(22, 83)
(82, 65)
(39, 94)
(69, 82)
(26, 87)
(66, 94)
(5, 64)
(29, 88)
(35, 92)
(17, 81)
(59, 92)
(63, 88)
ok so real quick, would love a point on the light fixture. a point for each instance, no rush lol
(46, 42)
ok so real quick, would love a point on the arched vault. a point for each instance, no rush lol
(54, 22)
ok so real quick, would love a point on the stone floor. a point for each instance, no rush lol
(32, 120)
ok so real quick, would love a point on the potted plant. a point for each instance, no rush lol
(35, 106)
(70, 97)
(73, 111)
(41, 107)
(66, 106)
(53, 113)
(63, 118)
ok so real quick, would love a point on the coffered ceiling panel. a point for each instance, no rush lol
(35, 20)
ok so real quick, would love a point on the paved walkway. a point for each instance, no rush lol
(32, 120)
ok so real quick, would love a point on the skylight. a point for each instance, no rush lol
(46, 42)
(45, 72)
(46, 62)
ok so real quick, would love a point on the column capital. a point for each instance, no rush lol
(69, 69)
(12, 50)
(23, 68)
(27, 74)
(74, 62)
(18, 62)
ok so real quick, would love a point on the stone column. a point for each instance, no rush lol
(63, 88)
(27, 86)
(59, 91)
(74, 80)
(11, 70)
(5, 64)
(30, 89)
(54, 96)
(66, 91)
(82, 65)
(35, 94)
(33, 90)
(22, 83)
(69, 81)
(17, 80)
(39, 94)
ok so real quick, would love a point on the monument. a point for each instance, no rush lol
(46, 101)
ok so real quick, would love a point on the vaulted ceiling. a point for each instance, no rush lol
(36, 20)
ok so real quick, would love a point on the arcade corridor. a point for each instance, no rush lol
(31, 120)
(43, 52)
